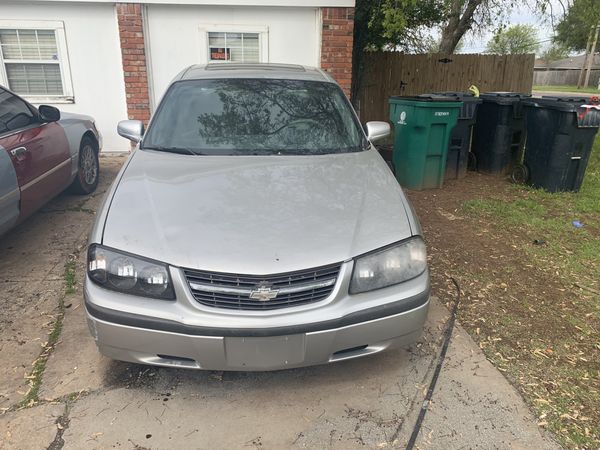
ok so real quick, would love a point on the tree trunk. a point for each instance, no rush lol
(459, 22)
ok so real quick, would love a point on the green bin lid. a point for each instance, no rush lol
(424, 98)
(460, 96)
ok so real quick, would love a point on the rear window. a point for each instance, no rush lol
(255, 116)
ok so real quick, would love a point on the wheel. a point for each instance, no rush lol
(86, 179)
(520, 174)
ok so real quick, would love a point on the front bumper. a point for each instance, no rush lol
(272, 352)
(184, 333)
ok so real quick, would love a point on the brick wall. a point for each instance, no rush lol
(336, 45)
(133, 53)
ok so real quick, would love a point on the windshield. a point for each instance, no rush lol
(254, 116)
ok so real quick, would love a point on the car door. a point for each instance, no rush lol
(38, 150)
(9, 193)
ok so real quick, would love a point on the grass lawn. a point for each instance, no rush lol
(575, 252)
(531, 288)
(587, 90)
(560, 373)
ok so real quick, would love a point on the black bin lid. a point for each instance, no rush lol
(504, 98)
(564, 104)
(568, 98)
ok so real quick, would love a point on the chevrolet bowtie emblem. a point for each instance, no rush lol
(264, 293)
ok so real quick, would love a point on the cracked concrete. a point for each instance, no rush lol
(88, 401)
(32, 265)
(33, 428)
(75, 365)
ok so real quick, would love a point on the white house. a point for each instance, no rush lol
(114, 60)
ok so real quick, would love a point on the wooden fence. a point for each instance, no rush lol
(562, 77)
(390, 73)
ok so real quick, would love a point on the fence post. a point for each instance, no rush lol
(587, 52)
(591, 58)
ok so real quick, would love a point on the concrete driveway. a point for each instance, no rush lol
(82, 400)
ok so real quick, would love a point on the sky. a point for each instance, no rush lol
(520, 15)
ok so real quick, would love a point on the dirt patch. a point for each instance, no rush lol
(529, 319)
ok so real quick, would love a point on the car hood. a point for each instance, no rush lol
(68, 117)
(255, 214)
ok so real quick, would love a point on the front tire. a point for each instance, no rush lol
(88, 171)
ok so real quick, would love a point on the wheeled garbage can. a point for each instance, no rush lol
(422, 128)
(499, 133)
(460, 140)
(560, 136)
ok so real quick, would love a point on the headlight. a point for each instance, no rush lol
(389, 266)
(129, 274)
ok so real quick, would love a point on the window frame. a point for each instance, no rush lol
(263, 40)
(34, 112)
(63, 59)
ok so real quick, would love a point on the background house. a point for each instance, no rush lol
(114, 60)
(564, 72)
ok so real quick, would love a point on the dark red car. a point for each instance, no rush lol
(42, 152)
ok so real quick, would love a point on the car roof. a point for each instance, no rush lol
(247, 70)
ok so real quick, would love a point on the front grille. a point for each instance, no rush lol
(251, 292)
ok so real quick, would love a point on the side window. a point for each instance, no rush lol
(14, 113)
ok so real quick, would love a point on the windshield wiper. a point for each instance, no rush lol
(179, 150)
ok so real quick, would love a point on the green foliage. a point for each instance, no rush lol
(397, 24)
(433, 46)
(517, 39)
(405, 25)
(574, 28)
(393, 25)
(555, 51)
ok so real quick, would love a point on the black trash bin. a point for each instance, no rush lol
(460, 139)
(560, 136)
(499, 133)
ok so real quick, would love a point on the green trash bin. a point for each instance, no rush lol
(422, 129)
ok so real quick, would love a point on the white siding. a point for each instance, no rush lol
(307, 3)
(176, 35)
(95, 60)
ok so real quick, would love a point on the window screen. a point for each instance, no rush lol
(233, 47)
(31, 61)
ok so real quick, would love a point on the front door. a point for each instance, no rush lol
(39, 152)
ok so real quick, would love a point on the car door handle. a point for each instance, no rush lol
(18, 151)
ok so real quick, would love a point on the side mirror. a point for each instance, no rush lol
(131, 129)
(378, 130)
(49, 113)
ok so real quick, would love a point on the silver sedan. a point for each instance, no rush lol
(254, 227)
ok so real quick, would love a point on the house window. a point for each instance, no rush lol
(34, 61)
(234, 47)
